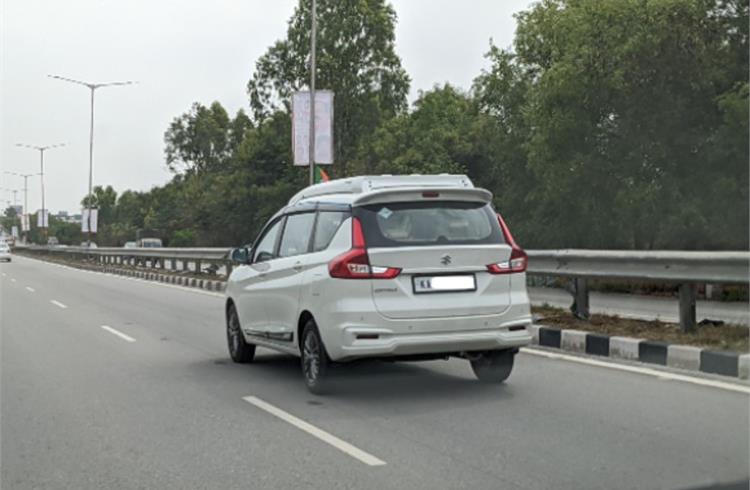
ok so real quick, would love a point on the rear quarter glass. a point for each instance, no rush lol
(433, 223)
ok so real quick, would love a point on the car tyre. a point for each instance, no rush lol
(240, 351)
(493, 366)
(314, 359)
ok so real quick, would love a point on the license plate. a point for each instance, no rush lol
(444, 284)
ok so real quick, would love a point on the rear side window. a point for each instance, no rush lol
(429, 223)
(328, 224)
(297, 232)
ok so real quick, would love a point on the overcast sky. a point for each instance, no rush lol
(180, 51)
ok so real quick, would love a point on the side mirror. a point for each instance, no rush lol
(239, 255)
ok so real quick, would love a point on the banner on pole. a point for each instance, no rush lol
(85, 220)
(42, 219)
(25, 222)
(323, 127)
(14, 231)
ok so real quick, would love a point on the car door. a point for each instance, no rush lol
(252, 279)
(284, 277)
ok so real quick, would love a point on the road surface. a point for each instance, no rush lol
(110, 382)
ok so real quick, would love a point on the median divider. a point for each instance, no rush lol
(726, 363)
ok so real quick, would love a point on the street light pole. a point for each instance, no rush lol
(92, 87)
(41, 150)
(25, 197)
(313, 36)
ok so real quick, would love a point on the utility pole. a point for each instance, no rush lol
(313, 36)
(92, 87)
(25, 196)
(41, 150)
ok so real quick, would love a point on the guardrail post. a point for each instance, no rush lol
(687, 307)
(580, 307)
(197, 266)
(173, 264)
(185, 267)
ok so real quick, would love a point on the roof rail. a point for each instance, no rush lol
(367, 183)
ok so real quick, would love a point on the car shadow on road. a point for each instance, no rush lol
(407, 386)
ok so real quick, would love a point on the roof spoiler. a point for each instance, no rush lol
(402, 194)
(366, 184)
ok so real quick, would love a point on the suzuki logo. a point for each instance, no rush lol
(445, 259)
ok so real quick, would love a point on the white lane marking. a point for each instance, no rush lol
(57, 303)
(4, 274)
(124, 337)
(663, 375)
(30, 289)
(324, 436)
(127, 278)
(12, 279)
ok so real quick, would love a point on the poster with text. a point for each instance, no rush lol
(85, 220)
(323, 127)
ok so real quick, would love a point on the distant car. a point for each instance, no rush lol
(130, 245)
(52, 241)
(4, 252)
(395, 267)
(149, 243)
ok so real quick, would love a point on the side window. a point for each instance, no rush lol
(296, 237)
(265, 249)
(328, 224)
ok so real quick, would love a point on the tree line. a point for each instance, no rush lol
(607, 124)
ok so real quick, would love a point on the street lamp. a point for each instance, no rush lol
(25, 188)
(25, 197)
(92, 87)
(41, 150)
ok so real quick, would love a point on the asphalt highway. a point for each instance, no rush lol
(111, 382)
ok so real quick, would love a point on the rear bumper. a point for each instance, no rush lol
(468, 334)
(5, 256)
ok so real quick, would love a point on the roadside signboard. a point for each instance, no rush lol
(25, 222)
(85, 220)
(42, 219)
(14, 231)
(323, 127)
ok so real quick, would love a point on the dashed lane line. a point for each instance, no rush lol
(123, 336)
(324, 436)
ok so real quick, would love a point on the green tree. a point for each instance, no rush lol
(204, 138)
(356, 59)
(624, 100)
(434, 138)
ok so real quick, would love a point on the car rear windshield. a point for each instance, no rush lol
(407, 224)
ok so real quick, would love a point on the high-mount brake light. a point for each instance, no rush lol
(518, 259)
(355, 263)
(431, 194)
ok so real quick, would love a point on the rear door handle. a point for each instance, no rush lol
(297, 266)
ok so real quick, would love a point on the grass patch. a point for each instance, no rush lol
(714, 337)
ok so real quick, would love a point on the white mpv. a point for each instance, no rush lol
(394, 267)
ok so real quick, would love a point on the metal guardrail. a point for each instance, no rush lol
(157, 257)
(687, 269)
(666, 266)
